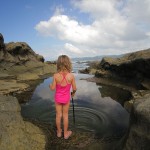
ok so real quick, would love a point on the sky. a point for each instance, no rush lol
(77, 28)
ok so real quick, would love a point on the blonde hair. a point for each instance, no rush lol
(64, 63)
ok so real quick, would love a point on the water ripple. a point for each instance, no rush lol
(90, 119)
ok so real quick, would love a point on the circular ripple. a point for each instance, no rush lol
(89, 119)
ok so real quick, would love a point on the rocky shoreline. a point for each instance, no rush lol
(132, 73)
(21, 69)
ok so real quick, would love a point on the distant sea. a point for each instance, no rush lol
(79, 66)
(82, 62)
(96, 58)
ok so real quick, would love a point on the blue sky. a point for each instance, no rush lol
(77, 28)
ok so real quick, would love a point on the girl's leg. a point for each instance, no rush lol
(58, 117)
(65, 118)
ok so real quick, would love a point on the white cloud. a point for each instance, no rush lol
(117, 26)
(138, 11)
(96, 8)
(65, 28)
(72, 48)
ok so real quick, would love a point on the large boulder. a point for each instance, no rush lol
(12, 54)
(22, 52)
(139, 134)
(2, 47)
(130, 68)
(18, 62)
(16, 133)
(18, 59)
(132, 65)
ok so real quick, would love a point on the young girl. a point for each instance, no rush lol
(62, 83)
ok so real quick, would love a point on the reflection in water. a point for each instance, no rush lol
(115, 93)
(95, 109)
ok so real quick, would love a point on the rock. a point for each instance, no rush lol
(40, 58)
(103, 73)
(21, 52)
(133, 65)
(146, 83)
(92, 67)
(20, 56)
(27, 76)
(133, 70)
(128, 105)
(84, 71)
(6, 76)
(139, 135)
(11, 86)
(51, 62)
(2, 45)
(16, 133)
(19, 62)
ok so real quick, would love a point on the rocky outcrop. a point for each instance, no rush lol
(132, 72)
(2, 45)
(20, 52)
(131, 67)
(139, 135)
(20, 67)
(93, 66)
(18, 58)
(16, 133)
(19, 62)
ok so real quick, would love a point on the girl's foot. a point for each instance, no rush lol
(67, 135)
(59, 134)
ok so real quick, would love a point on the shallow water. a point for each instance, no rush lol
(95, 111)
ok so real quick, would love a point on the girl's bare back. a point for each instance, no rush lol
(64, 78)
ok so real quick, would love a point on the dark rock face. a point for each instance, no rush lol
(16, 54)
(132, 67)
(1, 42)
(135, 65)
(85, 71)
(21, 52)
(2, 48)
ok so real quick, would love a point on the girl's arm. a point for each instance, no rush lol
(52, 86)
(74, 88)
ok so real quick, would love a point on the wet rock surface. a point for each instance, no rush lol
(16, 133)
